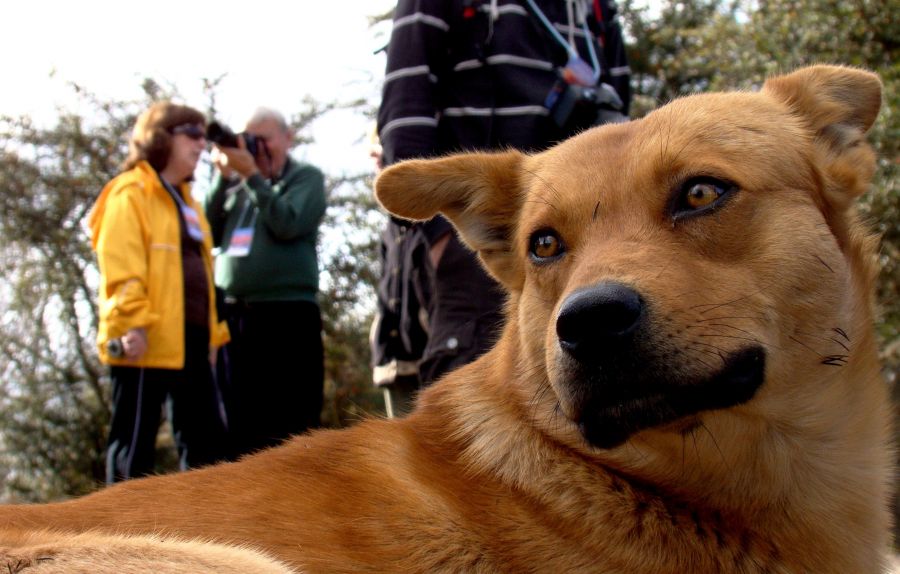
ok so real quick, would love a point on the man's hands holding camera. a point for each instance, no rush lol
(231, 160)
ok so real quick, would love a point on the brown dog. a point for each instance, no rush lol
(687, 381)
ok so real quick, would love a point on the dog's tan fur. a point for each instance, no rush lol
(498, 468)
(49, 552)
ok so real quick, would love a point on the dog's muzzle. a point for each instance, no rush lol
(624, 374)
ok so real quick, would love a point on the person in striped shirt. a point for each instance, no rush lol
(466, 75)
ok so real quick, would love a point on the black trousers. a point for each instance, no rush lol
(195, 412)
(274, 368)
(466, 313)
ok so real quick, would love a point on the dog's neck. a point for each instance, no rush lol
(773, 473)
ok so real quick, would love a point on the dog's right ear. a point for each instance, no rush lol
(480, 193)
(839, 104)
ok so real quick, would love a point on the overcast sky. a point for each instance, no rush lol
(273, 53)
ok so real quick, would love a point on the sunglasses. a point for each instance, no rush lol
(193, 131)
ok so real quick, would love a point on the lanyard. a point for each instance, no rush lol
(187, 213)
(574, 57)
(241, 239)
(243, 216)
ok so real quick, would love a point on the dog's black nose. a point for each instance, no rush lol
(596, 316)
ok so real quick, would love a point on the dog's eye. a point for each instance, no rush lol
(701, 194)
(546, 244)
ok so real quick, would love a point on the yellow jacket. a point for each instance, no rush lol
(136, 232)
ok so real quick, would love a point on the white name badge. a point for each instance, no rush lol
(192, 220)
(241, 240)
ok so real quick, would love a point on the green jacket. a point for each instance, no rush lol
(281, 264)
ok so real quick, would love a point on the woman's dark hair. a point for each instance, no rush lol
(151, 138)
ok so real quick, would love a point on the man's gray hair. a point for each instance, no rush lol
(262, 114)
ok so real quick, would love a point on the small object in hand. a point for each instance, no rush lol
(115, 349)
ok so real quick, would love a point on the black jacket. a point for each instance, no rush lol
(460, 78)
(468, 75)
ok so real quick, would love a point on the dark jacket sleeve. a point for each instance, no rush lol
(615, 63)
(416, 55)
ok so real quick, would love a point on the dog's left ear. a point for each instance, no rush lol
(480, 193)
(839, 104)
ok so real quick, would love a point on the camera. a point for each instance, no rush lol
(221, 135)
(115, 349)
(574, 107)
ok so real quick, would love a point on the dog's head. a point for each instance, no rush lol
(688, 264)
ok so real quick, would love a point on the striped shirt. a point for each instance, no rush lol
(475, 74)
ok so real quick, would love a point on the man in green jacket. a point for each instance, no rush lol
(265, 211)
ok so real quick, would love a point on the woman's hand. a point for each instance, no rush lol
(134, 343)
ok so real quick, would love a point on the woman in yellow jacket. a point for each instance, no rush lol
(158, 322)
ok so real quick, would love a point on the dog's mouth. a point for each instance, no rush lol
(615, 406)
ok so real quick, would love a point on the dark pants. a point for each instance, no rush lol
(195, 412)
(466, 312)
(274, 367)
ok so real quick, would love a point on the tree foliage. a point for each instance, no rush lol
(53, 397)
(349, 277)
(54, 393)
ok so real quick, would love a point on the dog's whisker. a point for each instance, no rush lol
(692, 432)
(725, 336)
(835, 360)
(548, 186)
(694, 440)
(712, 326)
(557, 417)
(731, 317)
(719, 350)
(715, 334)
(541, 201)
(538, 298)
(538, 397)
(719, 355)
(822, 261)
(823, 338)
(642, 456)
(704, 363)
(841, 343)
(715, 442)
(709, 307)
(805, 346)
(738, 301)
(842, 333)
(719, 329)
